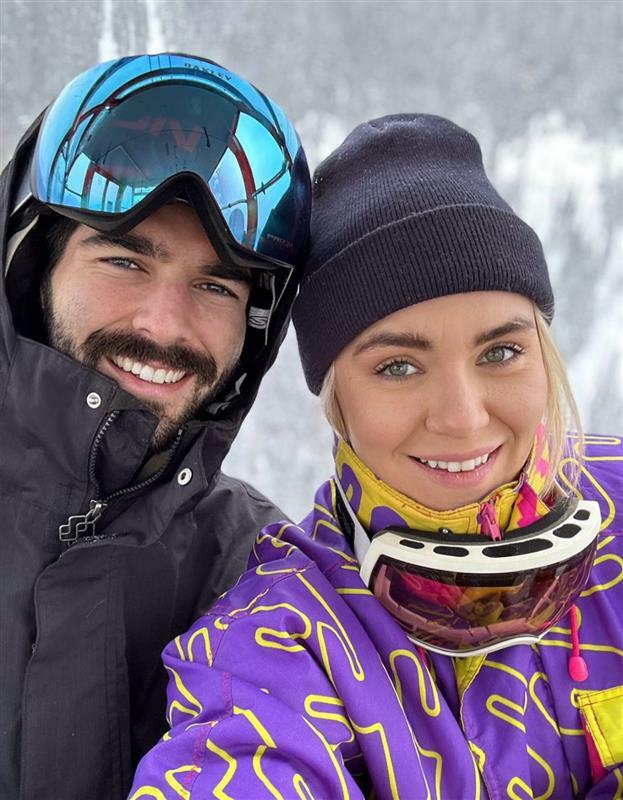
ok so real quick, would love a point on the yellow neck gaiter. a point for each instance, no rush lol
(379, 506)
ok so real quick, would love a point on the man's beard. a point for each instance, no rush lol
(104, 344)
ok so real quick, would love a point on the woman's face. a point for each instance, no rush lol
(441, 400)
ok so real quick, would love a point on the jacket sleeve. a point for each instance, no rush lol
(231, 737)
(226, 522)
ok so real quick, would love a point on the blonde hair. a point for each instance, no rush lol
(561, 419)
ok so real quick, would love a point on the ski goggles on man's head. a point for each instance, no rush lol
(462, 594)
(127, 135)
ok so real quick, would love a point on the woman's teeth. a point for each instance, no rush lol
(456, 466)
(147, 373)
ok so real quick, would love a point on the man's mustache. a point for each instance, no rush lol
(100, 344)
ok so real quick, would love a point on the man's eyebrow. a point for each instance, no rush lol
(144, 246)
(141, 245)
(393, 339)
(516, 325)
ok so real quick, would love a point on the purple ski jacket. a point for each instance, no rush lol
(298, 684)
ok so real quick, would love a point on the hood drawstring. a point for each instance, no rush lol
(422, 654)
(488, 521)
(577, 666)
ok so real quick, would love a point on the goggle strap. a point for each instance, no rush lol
(361, 540)
(483, 650)
(15, 241)
(264, 298)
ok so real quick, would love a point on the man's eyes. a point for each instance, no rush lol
(216, 288)
(213, 287)
(122, 263)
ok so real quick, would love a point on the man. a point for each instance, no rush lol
(152, 221)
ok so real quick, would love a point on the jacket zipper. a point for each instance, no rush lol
(82, 526)
(488, 521)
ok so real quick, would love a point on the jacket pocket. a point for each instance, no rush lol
(602, 717)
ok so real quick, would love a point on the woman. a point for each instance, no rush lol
(436, 627)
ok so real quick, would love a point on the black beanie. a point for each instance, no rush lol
(403, 212)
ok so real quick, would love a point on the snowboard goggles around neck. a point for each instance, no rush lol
(127, 135)
(463, 595)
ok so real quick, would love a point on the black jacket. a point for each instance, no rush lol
(85, 611)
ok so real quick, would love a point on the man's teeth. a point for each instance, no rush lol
(147, 373)
(456, 466)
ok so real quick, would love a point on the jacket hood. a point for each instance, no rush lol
(24, 257)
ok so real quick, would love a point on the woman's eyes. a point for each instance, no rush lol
(501, 354)
(397, 369)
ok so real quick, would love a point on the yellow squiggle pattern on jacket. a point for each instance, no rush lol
(497, 699)
(433, 709)
(517, 782)
(331, 754)
(551, 721)
(232, 765)
(312, 699)
(391, 773)
(148, 791)
(264, 631)
(339, 633)
(176, 705)
(188, 654)
(175, 784)
(602, 587)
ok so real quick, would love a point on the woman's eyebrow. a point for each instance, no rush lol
(393, 339)
(418, 342)
(512, 326)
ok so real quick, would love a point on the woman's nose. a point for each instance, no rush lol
(457, 407)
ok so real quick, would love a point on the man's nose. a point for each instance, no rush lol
(458, 406)
(163, 313)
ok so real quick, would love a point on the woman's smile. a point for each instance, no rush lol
(457, 463)
(457, 473)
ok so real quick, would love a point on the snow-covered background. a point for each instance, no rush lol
(539, 82)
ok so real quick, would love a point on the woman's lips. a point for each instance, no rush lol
(458, 479)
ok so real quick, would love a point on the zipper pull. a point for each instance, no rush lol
(81, 525)
(488, 521)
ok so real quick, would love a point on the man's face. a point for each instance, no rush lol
(154, 309)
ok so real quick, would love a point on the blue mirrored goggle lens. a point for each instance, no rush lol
(132, 134)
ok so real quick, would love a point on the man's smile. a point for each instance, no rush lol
(151, 381)
(147, 372)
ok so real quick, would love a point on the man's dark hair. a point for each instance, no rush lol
(56, 238)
